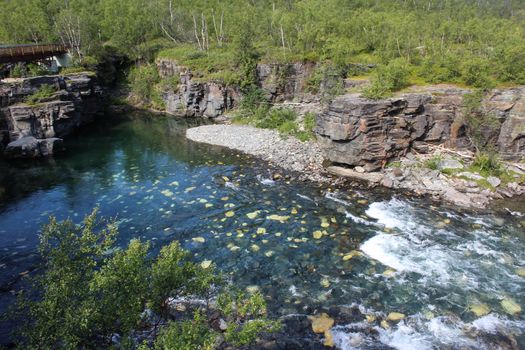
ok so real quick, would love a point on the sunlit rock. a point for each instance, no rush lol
(321, 323)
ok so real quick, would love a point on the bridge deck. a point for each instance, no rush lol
(24, 53)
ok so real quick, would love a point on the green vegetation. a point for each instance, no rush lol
(44, 92)
(387, 79)
(256, 111)
(477, 43)
(433, 163)
(145, 85)
(31, 70)
(89, 289)
(487, 164)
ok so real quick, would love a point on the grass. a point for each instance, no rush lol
(214, 64)
(44, 92)
(284, 120)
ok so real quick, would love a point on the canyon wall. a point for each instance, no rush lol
(211, 99)
(359, 132)
(355, 131)
(35, 129)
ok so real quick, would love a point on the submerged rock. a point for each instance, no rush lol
(321, 323)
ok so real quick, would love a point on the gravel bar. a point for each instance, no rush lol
(288, 153)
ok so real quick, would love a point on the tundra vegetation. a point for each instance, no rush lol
(90, 289)
(394, 43)
(471, 42)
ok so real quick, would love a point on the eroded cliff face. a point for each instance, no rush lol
(31, 130)
(361, 132)
(195, 98)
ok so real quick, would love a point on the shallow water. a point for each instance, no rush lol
(304, 247)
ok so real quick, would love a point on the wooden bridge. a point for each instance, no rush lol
(27, 53)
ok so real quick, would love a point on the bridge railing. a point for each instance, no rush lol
(28, 52)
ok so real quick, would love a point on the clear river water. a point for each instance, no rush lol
(302, 245)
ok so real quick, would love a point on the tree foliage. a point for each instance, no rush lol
(89, 289)
(467, 41)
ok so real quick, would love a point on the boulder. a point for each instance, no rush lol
(494, 181)
(372, 178)
(30, 147)
(450, 164)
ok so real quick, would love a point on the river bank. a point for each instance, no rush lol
(441, 175)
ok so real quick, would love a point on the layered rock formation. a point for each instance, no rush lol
(195, 98)
(360, 132)
(74, 103)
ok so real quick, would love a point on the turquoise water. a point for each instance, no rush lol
(305, 247)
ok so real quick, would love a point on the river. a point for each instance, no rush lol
(302, 245)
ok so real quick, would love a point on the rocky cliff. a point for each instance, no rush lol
(360, 132)
(31, 129)
(194, 98)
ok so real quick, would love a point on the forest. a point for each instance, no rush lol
(472, 42)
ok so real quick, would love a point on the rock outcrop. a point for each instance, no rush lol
(193, 97)
(286, 82)
(30, 147)
(74, 103)
(356, 131)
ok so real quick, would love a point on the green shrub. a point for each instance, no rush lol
(387, 79)
(277, 118)
(186, 335)
(36, 70)
(85, 293)
(246, 317)
(18, 71)
(328, 80)
(440, 69)
(143, 80)
(510, 62)
(433, 163)
(475, 73)
(487, 163)
(44, 92)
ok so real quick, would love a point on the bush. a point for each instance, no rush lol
(387, 79)
(475, 73)
(44, 92)
(18, 71)
(437, 70)
(433, 163)
(143, 80)
(246, 317)
(36, 70)
(511, 64)
(487, 163)
(186, 335)
(328, 80)
(277, 118)
(85, 294)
